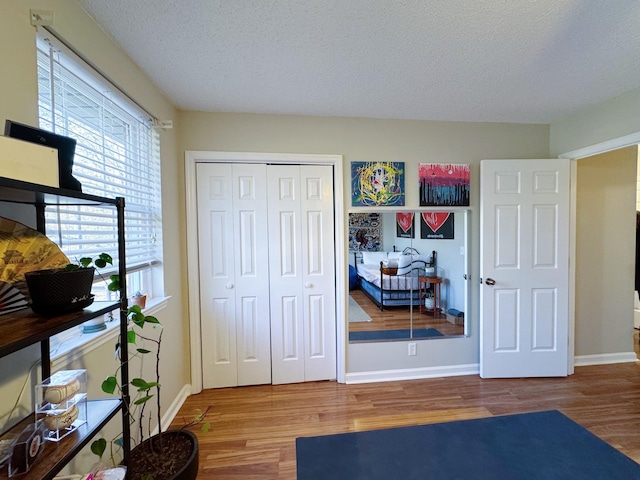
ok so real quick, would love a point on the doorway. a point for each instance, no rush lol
(605, 256)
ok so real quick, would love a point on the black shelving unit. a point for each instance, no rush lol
(24, 328)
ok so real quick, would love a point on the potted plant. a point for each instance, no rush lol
(67, 289)
(138, 299)
(169, 454)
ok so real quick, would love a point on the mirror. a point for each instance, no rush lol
(408, 274)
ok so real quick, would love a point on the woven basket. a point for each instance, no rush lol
(57, 291)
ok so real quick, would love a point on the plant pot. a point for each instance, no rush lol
(57, 291)
(183, 441)
(140, 300)
(429, 302)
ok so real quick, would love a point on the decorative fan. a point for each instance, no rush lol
(23, 249)
(11, 299)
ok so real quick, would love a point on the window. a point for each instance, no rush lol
(117, 154)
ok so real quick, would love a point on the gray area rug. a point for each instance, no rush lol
(356, 313)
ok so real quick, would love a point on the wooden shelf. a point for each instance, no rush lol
(56, 455)
(23, 328)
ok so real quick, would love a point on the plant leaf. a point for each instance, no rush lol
(109, 385)
(105, 257)
(131, 336)
(150, 319)
(85, 261)
(143, 350)
(99, 446)
(206, 426)
(134, 309)
(142, 400)
(119, 442)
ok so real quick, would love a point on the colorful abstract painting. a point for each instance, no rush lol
(377, 184)
(443, 184)
(404, 224)
(437, 225)
(365, 231)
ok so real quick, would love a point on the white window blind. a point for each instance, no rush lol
(117, 155)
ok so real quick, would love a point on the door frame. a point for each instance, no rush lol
(575, 156)
(195, 333)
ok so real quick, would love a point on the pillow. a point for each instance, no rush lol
(373, 258)
(394, 254)
(411, 263)
(404, 261)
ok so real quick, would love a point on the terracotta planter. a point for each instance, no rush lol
(140, 300)
(186, 440)
(57, 291)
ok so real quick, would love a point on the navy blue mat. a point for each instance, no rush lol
(393, 334)
(544, 445)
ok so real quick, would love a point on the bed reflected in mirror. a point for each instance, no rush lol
(407, 275)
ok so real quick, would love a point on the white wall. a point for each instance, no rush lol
(18, 101)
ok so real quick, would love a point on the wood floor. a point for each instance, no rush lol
(253, 429)
(397, 318)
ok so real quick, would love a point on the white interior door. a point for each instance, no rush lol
(302, 273)
(234, 290)
(524, 265)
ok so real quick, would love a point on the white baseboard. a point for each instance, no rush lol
(471, 369)
(171, 412)
(604, 359)
(411, 373)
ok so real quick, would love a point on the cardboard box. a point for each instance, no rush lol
(28, 162)
(455, 320)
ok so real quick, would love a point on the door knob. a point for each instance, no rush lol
(490, 281)
(229, 286)
(308, 285)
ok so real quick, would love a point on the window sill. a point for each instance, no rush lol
(79, 344)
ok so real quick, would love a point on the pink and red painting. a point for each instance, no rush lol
(404, 224)
(443, 185)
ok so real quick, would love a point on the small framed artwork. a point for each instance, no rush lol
(437, 225)
(365, 231)
(377, 184)
(443, 185)
(405, 224)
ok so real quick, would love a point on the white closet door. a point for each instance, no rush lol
(318, 272)
(234, 297)
(301, 273)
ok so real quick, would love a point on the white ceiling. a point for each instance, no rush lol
(521, 61)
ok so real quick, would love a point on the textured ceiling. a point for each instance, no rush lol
(522, 61)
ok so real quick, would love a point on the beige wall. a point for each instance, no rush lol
(359, 139)
(19, 102)
(605, 252)
(597, 123)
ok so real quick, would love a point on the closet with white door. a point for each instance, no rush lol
(266, 272)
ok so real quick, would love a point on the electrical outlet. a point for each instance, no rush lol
(412, 349)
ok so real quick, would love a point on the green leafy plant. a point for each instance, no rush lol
(101, 261)
(145, 390)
